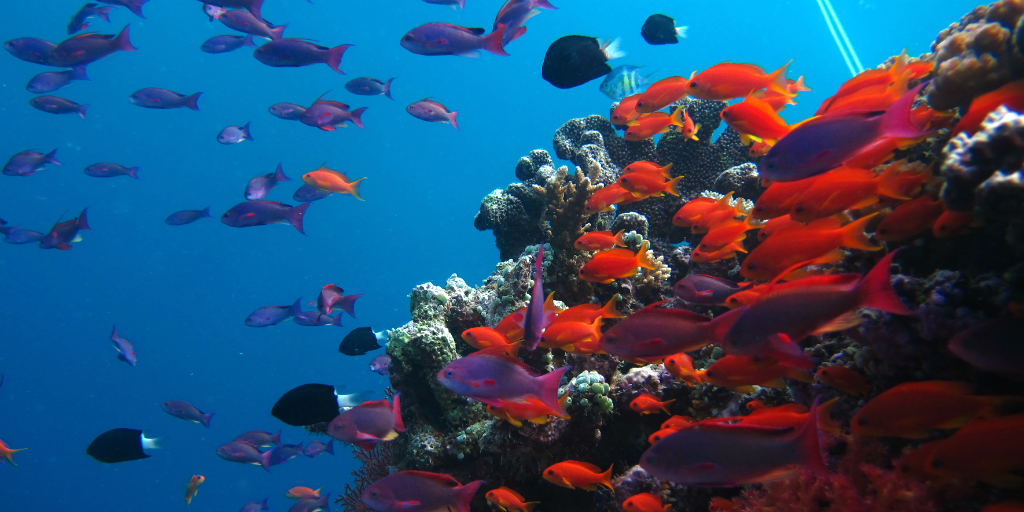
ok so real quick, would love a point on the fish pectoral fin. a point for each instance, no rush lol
(540, 420)
(407, 504)
(390, 435)
(363, 436)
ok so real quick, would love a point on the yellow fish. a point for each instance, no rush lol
(193, 487)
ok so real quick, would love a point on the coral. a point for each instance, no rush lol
(593, 145)
(635, 481)
(374, 465)
(535, 168)
(976, 55)
(566, 221)
(589, 394)
(513, 214)
(630, 222)
(969, 161)
(741, 179)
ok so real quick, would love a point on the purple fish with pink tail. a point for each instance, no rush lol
(111, 170)
(52, 80)
(432, 111)
(368, 423)
(366, 86)
(223, 44)
(315, 448)
(312, 504)
(28, 163)
(253, 6)
(262, 213)
(260, 186)
(135, 6)
(31, 49)
(236, 451)
(153, 97)
(315, 319)
(78, 21)
(244, 21)
(86, 48)
(258, 438)
(292, 53)
(125, 350)
(331, 297)
(420, 491)
(279, 455)
(445, 39)
(183, 217)
(534, 323)
(58, 105)
(514, 14)
(491, 375)
(273, 315)
(325, 114)
(62, 233)
(380, 364)
(187, 412)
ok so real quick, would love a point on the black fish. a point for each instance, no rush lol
(358, 342)
(572, 61)
(310, 404)
(660, 29)
(119, 445)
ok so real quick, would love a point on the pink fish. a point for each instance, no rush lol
(432, 111)
(419, 491)
(291, 53)
(445, 39)
(491, 375)
(368, 423)
(654, 333)
(86, 48)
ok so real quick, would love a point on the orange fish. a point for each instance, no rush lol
(725, 210)
(952, 223)
(649, 167)
(720, 504)
(873, 77)
(689, 130)
(750, 296)
(790, 416)
(645, 502)
(681, 367)
(656, 123)
(759, 149)
(904, 180)
(729, 80)
(302, 493)
(605, 267)
(777, 224)
(649, 404)
(626, 112)
(726, 234)
(578, 475)
(912, 409)
(7, 452)
(568, 334)
(1011, 95)
(754, 118)
(193, 487)
(779, 197)
(599, 240)
(483, 337)
(879, 151)
(777, 100)
(510, 501)
(839, 190)
(909, 219)
(531, 409)
(606, 198)
(663, 93)
(990, 450)
(875, 98)
(587, 313)
(692, 210)
(844, 379)
(677, 422)
(1005, 506)
(819, 240)
(332, 181)
(661, 434)
(741, 373)
(729, 251)
(642, 184)
(509, 328)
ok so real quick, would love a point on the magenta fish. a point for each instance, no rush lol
(292, 53)
(420, 491)
(445, 39)
(259, 438)
(31, 49)
(62, 234)
(287, 111)
(135, 6)
(455, 4)
(654, 333)
(368, 423)
(312, 504)
(432, 111)
(236, 451)
(187, 412)
(380, 364)
(28, 163)
(279, 455)
(255, 506)
(260, 186)
(15, 235)
(262, 213)
(514, 14)
(52, 80)
(58, 105)
(491, 375)
(366, 86)
(125, 350)
(153, 97)
(223, 44)
(315, 319)
(273, 315)
(246, 22)
(331, 296)
(252, 6)
(110, 170)
(308, 194)
(86, 48)
(234, 134)
(705, 290)
(78, 21)
(314, 448)
(180, 218)
(325, 114)
(536, 321)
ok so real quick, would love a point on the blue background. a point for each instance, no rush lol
(180, 294)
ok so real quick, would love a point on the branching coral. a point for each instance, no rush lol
(374, 465)
(566, 198)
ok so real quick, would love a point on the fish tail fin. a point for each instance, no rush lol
(278, 31)
(336, 320)
(192, 101)
(788, 353)
(347, 304)
(279, 172)
(678, 118)
(667, 170)
(206, 419)
(104, 13)
(265, 459)
(123, 43)
(387, 88)
(799, 85)
(245, 132)
(547, 391)
(492, 41)
(618, 238)
(51, 158)
(81, 110)
(809, 442)
(135, 6)
(777, 80)
(78, 73)
(357, 116)
(606, 478)
(83, 224)
(464, 495)
(896, 120)
(642, 258)
(330, 447)
(354, 187)
(248, 41)
(334, 57)
(613, 50)
(133, 172)
(451, 119)
(888, 181)
(664, 406)
(206, 213)
(609, 310)
(263, 504)
(276, 438)
(396, 407)
(876, 291)
(10, 453)
(681, 31)
(294, 216)
(323, 502)
(825, 421)
(673, 186)
(853, 236)
(530, 505)
(544, 4)
(461, 4)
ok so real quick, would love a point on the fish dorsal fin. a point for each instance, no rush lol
(679, 313)
(947, 386)
(585, 465)
(446, 480)
(375, 403)
(502, 353)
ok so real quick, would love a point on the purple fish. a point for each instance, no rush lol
(279, 455)
(326, 115)
(28, 163)
(534, 323)
(331, 297)
(78, 21)
(187, 217)
(62, 233)
(273, 315)
(212, 11)
(288, 111)
(419, 491)
(86, 48)
(135, 6)
(241, 452)
(514, 14)
(246, 22)
(490, 375)
(187, 411)
(706, 290)
(260, 186)
(380, 364)
(234, 134)
(31, 49)
(311, 504)
(254, 506)
(125, 350)
(291, 53)
(429, 110)
(152, 97)
(52, 80)
(315, 448)
(13, 235)
(445, 39)
(58, 105)
(365, 86)
(368, 423)
(455, 4)
(315, 319)
(258, 438)
(223, 44)
(261, 213)
(824, 142)
(110, 170)
(308, 194)
(253, 6)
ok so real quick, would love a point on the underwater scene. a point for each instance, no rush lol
(512, 255)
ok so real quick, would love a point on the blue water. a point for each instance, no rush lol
(180, 294)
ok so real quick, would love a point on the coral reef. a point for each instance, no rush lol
(593, 145)
(374, 465)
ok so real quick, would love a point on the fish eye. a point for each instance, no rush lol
(408, 37)
(693, 85)
(710, 373)
(450, 374)
(771, 165)
(862, 421)
(752, 266)
(551, 472)
(610, 339)
(825, 373)
(725, 114)
(651, 459)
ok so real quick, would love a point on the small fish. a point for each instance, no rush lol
(537, 318)
(446, 39)
(578, 475)
(645, 501)
(229, 43)
(315, 319)
(325, 114)
(992, 346)
(152, 97)
(86, 48)
(331, 296)
(302, 493)
(705, 289)
(844, 379)
(212, 11)
(260, 186)
(193, 487)
(647, 403)
(368, 423)
(490, 375)
(660, 29)
(314, 448)
(380, 364)
(569, 335)
(755, 120)
(484, 337)
(31, 49)
(311, 504)
(259, 438)
(817, 241)
(420, 491)
(15, 235)
(333, 181)
(516, 12)
(361, 339)
(78, 21)
(455, 4)
(365, 86)
(135, 6)
(432, 111)
(52, 80)
(654, 333)
(649, 184)
(262, 213)
(279, 455)
(183, 217)
(292, 53)
(120, 445)
(256, 506)
(741, 373)
(626, 112)
(572, 61)
(587, 313)
(657, 123)
(1010, 95)
(777, 224)
(909, 219)
(125, 350)
(28, 163)
(681, 367)
(7, 453)
(110, 170)
(240, 452)
(605, 199)
(607, 266)
(188, 412)
(234, 134)
(623, 81)
(532, 410)
(288, 111)
(250, 23)
(730, 80)
(58, 105)
(62, 234)
(990, 450)
(273, 315)
(510, 501)
(953, 223)
(253, 6)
